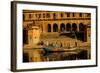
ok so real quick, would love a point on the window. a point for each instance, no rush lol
(68, 14)
(73, 14)
(74, 27)
(61, 15)
(55, 27)
(48, 15)
(80, 14)
(54, 15)
(81, 27)
(30, 16)
(49, 27)
(62, 27)
(68, 27)
(43, 15)
(36, 15)
(82, 32)
(39, 15)
(88, 15)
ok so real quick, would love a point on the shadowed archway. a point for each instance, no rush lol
(82, 32)
(81, 27)
(62, 27)
(74, 27)
(55, 27)
(49, 27)
(68, 27)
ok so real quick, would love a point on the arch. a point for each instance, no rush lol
(55, 27)
(81, 27)
(62, 27)
(68, 27)
(83, 32)
(49, 27)
(74, 27)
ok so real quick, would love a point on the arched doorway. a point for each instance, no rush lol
(81, 27)
(62, 27)
(55, 27)
(68, 27)
(49, 27)
(83, 32)
(74, 27)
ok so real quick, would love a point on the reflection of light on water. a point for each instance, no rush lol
(58, 54)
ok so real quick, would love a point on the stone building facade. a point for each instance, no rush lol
(61, 29)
